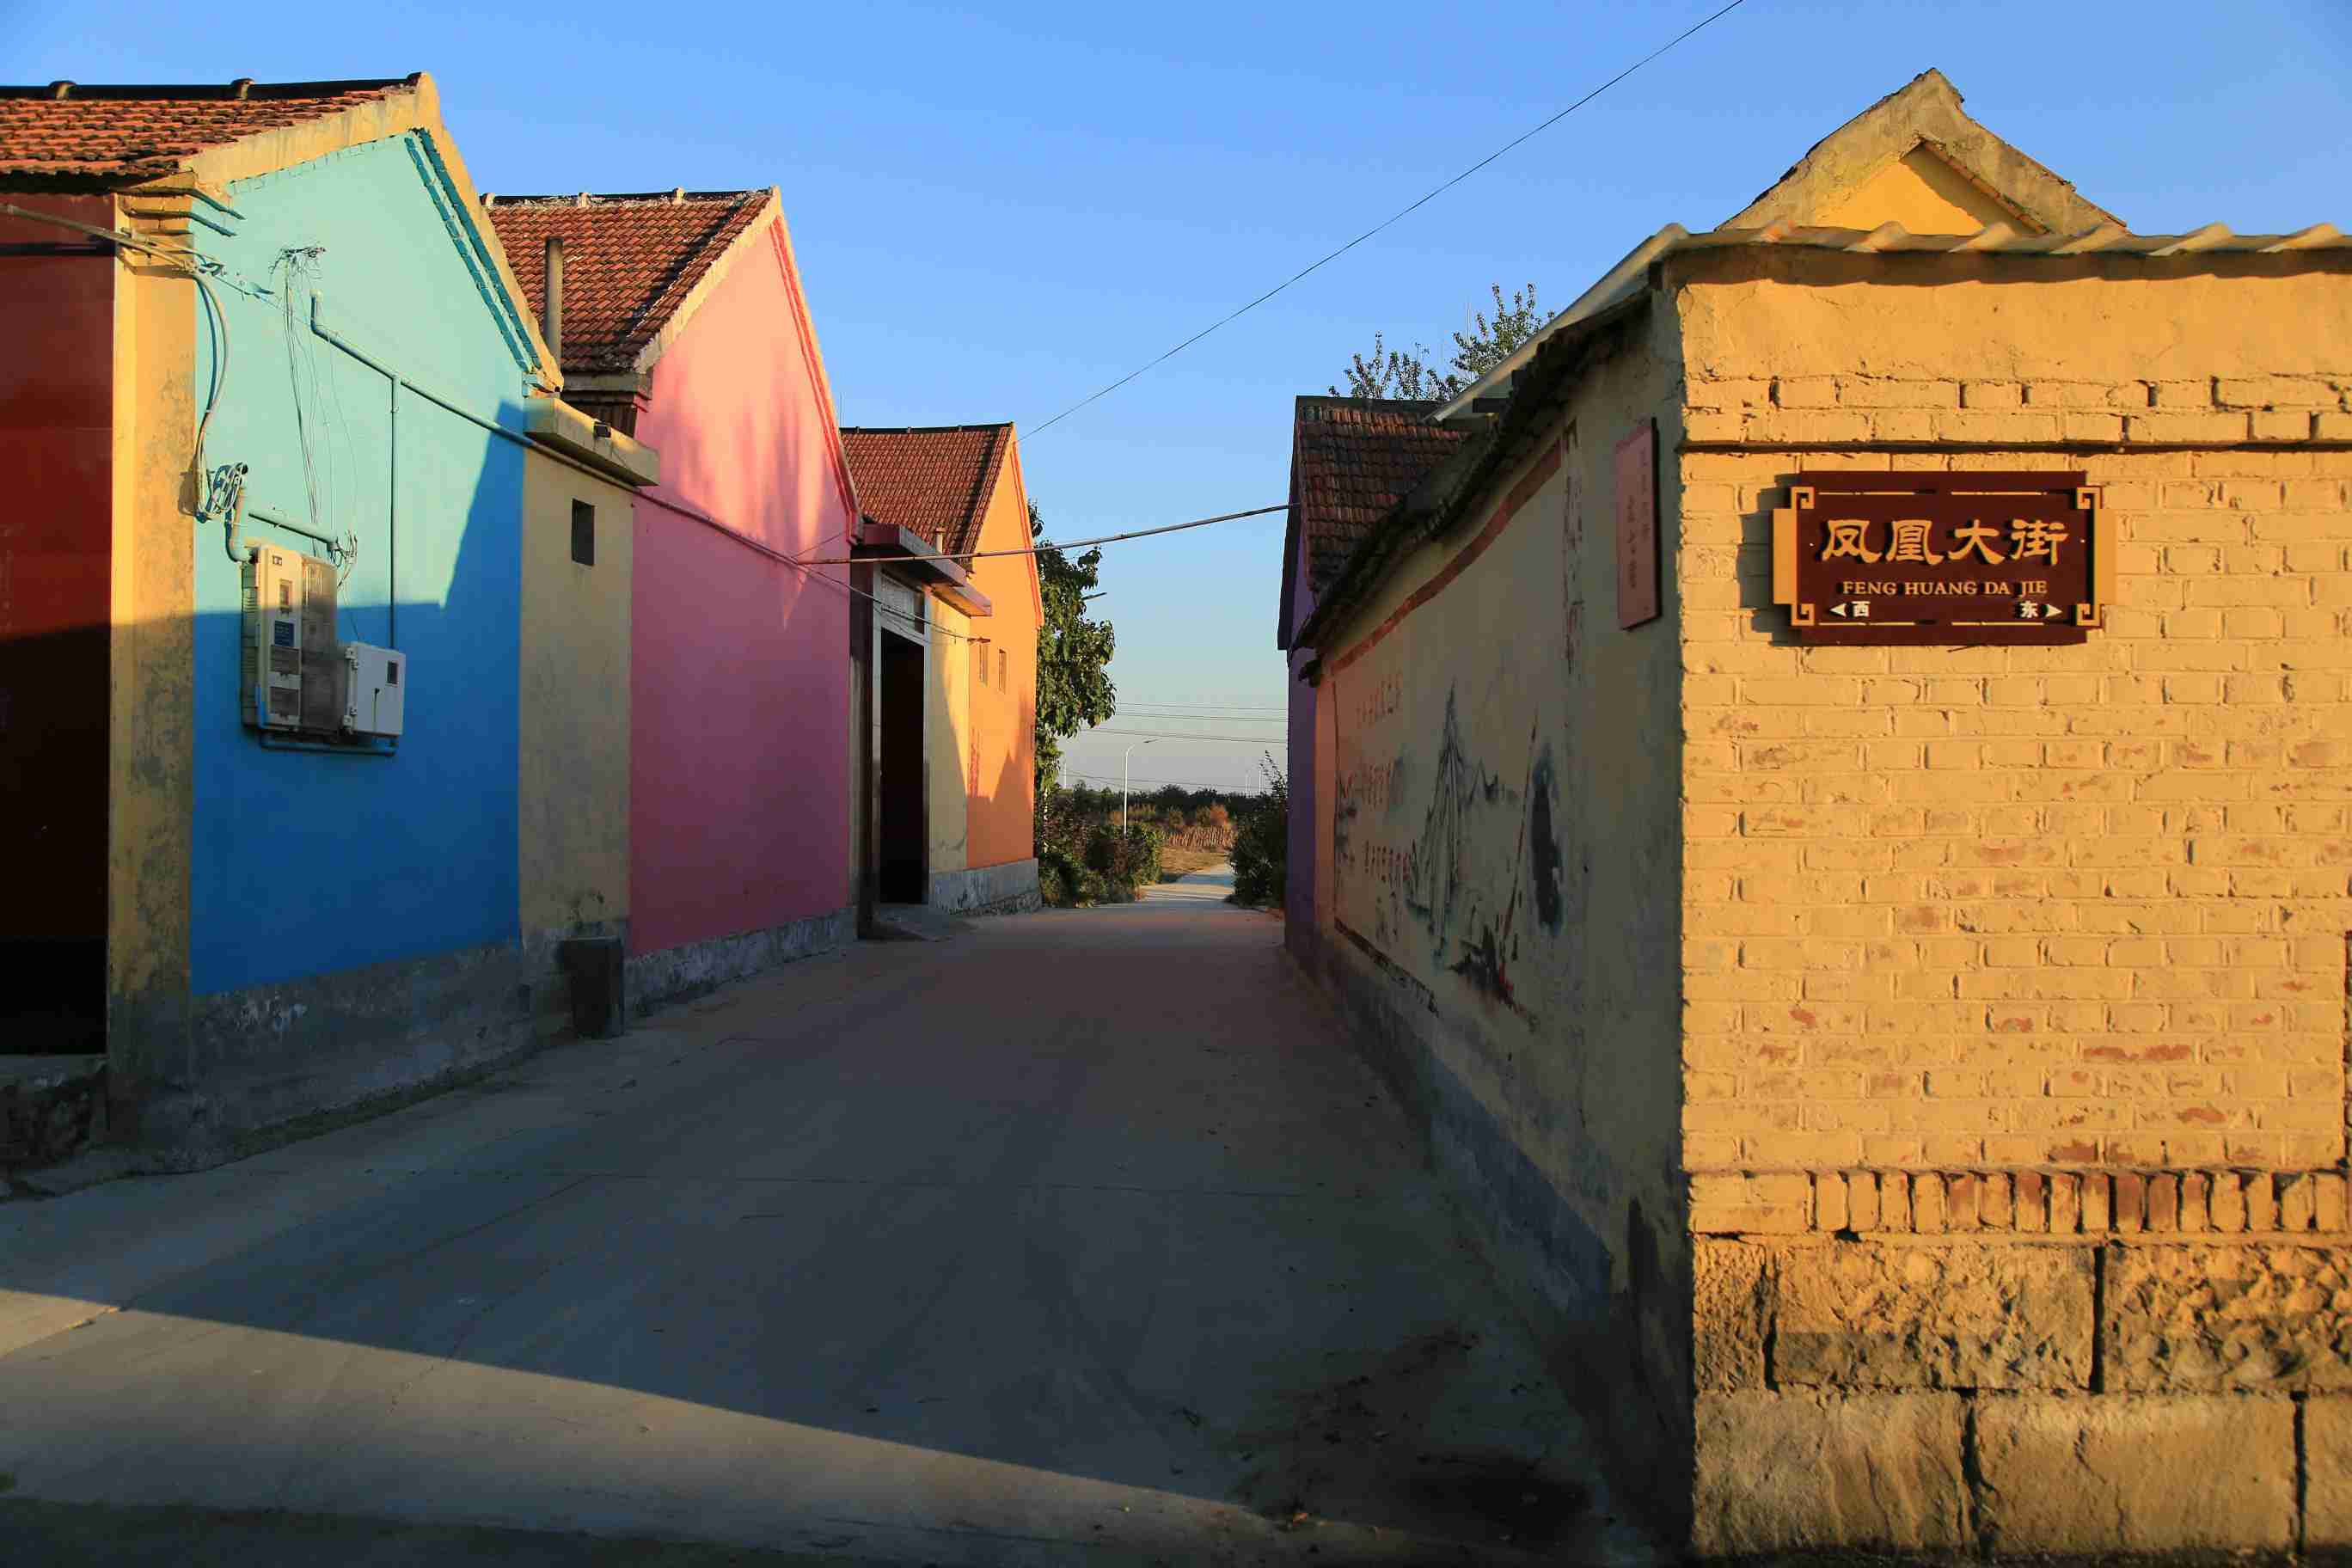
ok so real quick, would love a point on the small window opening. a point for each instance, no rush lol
(1000, 685)
(583, 533)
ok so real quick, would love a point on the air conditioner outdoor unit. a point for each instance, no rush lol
(375, 688)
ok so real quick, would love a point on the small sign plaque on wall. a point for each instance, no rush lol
(1637, 525)
(1941, 559)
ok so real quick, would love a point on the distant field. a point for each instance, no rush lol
(1175, 862)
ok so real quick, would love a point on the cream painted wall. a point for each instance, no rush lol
(1557, 1094)
(949, 754)
(1001, 769)
(574, 793)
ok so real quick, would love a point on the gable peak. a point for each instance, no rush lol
(1916, 157)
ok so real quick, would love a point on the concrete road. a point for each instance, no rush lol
(1209, 886)
(1077, 1238)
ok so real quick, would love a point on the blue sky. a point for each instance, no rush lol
(1000, 210)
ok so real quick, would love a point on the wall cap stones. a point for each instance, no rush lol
(2026, 1204)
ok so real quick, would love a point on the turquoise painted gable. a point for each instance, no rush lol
(309, 863)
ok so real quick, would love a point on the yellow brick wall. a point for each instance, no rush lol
(1954, 907)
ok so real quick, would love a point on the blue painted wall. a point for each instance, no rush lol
(306, 864)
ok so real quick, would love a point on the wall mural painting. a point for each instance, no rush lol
(1447, 832)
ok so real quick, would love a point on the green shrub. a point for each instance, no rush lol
(1125, 859)
(1057, 879)
(1262, 844)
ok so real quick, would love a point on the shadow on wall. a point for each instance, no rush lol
(353, 916)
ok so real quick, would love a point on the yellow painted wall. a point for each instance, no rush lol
(2077, 905)
(950, 755)
(1920, 191)
(151, 771)
(574, 783)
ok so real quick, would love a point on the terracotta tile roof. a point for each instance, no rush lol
(1352, 459)
(629, 261)
(934, 480)
(67, 130)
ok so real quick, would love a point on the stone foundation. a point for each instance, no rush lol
(2021, 1362)
(1007, 890)
(51, 1108)
(675, 973)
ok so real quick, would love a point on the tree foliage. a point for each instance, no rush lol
(1403, 373)
(1408, 374)
(1074, 684)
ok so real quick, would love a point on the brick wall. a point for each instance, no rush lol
(2017, 907)
(2014, 979)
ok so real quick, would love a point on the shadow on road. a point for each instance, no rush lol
(1078, 1237)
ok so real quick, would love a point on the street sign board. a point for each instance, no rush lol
(1637, 525)
(1949, 559)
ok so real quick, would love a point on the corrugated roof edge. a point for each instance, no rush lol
(1623, 290)
(1892, 238)
(1435, 503)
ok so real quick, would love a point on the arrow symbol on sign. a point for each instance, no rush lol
(2049, 612)
(1858, 609)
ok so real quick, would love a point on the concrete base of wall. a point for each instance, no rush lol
(675, 973)
(51, 1107)
(1007, 890)
(270, 1063)
(1555, 1271)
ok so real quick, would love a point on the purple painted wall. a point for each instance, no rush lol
(1298, 896)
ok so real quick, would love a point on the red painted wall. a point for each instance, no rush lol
(57, 412)
(739, 764)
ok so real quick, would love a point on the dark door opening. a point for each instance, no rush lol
(901, 818)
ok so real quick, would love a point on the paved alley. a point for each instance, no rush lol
(1076, 1237)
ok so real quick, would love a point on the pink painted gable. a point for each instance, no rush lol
(741, 413)
(739, 770)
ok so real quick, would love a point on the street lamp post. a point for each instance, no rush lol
(1122, 783)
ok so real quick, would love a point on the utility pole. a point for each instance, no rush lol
(1122, 781)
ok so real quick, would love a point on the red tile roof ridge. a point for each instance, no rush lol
(937, 484)
(616, 198)
(635, 266)
(924, 429)
(242, 89)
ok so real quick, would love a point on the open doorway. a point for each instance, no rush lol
(900, 780)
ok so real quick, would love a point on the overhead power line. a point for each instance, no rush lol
(1202, 717)
(1070, 544)
(1220, 707)
(1415, 206)
(1170, 735)
(1166, 783)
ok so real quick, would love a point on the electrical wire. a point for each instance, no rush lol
(1402, 212)
(1163, 783)
(1166, 735)
(1221, 707)
(1044, 545)
(1126, 713)
(196, 267)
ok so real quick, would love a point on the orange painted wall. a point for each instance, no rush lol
(1002, 769)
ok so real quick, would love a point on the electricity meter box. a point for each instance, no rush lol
(375, 688)
(293, 678)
